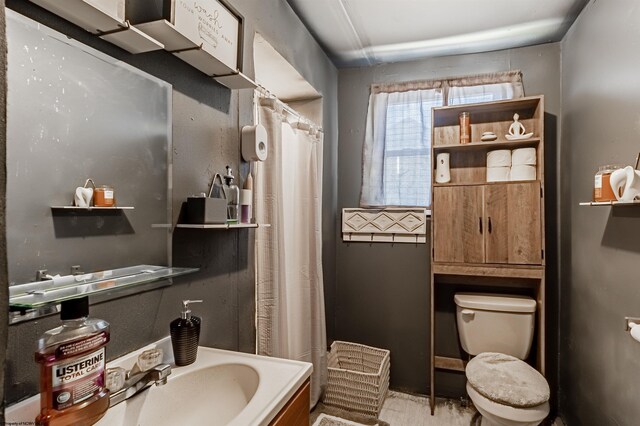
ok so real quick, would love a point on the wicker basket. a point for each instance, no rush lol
(358, 378)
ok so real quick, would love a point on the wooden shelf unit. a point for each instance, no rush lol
(497, 144)
(487, 234)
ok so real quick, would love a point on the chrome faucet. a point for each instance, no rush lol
(137, 381)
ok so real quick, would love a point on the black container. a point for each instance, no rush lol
(206, 210)
(185, 335)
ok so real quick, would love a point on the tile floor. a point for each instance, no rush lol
(401, 409)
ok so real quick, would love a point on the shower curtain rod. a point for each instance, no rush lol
(264, 91)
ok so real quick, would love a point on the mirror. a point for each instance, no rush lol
(75, 113)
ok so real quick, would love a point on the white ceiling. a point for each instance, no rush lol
(367, 32)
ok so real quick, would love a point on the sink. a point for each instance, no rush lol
(222, 388)
(212, 396)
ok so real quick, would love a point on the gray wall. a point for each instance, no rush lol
(599, 362)
(4, 281)
(206, 122)
(382, 295)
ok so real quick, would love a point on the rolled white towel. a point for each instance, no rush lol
(499, 158)
(523, 156)
(498, 174)
(523, 172)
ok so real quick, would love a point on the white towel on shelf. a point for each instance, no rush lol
(498, 174)
(523, 156)
(523, 172)
(499, 158)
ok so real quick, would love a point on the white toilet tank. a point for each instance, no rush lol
(495, 323)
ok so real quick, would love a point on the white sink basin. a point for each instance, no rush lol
(220, 388)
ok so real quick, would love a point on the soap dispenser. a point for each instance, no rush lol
(232, 194)
(185, 334)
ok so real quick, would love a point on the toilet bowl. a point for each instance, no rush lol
(495, 414)
(498, 331)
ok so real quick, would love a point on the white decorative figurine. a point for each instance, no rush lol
(516, 129)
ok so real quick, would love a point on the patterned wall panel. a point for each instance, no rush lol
(399, 225)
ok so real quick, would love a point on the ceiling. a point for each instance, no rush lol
(368, 32)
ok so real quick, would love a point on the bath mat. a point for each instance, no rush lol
(341, 414)
(326, 420)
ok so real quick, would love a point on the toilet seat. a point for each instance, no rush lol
(507, 380)
(532, 415)
(506, 390)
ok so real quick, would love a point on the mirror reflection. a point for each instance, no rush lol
(74, 113)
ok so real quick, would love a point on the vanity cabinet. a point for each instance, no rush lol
(498, 223)
(296, 411)
(487, 237)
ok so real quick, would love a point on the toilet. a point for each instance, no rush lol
(498, 331)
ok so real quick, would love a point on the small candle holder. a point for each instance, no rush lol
(465, 127)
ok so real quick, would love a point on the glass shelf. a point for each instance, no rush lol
(223, 225)
(53, 291)
(91, 208)
(610, 203)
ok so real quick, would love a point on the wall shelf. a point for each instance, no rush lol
(497, 144)
(52, 291)
(611, 203)
(108, 23)
(92, 208)
(387, 225)
(223, 226)
(507, 182)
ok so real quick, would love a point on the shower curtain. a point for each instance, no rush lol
(288, 195)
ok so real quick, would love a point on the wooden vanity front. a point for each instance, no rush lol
(296, 411)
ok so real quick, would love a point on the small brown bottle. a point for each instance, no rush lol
(72, 362)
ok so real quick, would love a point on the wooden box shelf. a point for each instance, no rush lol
(487, 234)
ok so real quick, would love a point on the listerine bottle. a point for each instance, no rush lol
(232, 193)
(72, 368)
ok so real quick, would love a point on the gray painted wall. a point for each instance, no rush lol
(4, 280)
(382, 293)
(599, 362)
(206, 122)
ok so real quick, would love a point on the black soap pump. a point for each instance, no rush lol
(185, 334)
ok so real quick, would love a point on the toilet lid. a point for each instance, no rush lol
(507, 380)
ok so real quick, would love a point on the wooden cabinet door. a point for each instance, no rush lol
(458, 224)
(512, 221)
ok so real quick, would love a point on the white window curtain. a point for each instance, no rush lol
(396, 159)
(396, 163)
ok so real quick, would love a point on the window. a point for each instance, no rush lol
(407, 151)
(396, 154)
